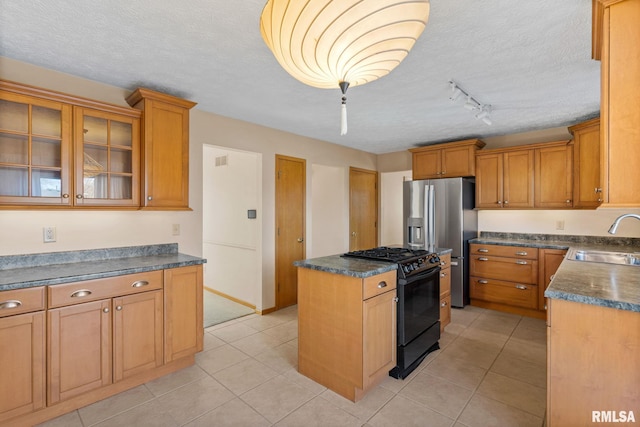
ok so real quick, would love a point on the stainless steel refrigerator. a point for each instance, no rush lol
(438, 213)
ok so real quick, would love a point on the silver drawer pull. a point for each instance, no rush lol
(483, 259)
(81, 293)
(484, 251)
(483, 282)
(382, 284)
(522, 287)
(522, 262)
(139, 283)
(12, 303)
(521, 253)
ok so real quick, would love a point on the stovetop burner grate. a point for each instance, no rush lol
(384, 253)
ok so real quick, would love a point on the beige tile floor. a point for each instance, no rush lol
(490, 371)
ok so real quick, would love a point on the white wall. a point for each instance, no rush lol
(329, 211)
(391, 187)
(232, 242)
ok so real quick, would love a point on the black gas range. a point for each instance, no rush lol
(418, 314)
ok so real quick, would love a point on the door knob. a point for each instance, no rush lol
(300, 240)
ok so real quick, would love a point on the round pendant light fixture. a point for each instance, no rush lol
(341, 43)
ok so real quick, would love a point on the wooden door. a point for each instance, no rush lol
(518, 179)
(554, 177)
(79, 349)
(489, 180)
(290, 226)
(183, 323)
(137, 334)
(363, 209)
(22, 360)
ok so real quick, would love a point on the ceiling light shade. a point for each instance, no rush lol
(325, 42)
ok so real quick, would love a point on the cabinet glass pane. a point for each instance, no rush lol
(14, 149)
(46, 152)
(95, 130)
(46, 183)
(95, 187)
(121, 133)
(121, 187)
(121, 161)
(95, 160)
(14, 116)
(45, 121)
(14, 181)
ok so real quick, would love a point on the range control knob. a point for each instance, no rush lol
(434, 259)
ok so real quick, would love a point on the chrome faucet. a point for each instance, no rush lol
(614, 226)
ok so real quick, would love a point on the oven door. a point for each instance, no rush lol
(418, 304)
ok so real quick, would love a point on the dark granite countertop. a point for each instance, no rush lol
(353, 267)
(608, 285)
(30, 270)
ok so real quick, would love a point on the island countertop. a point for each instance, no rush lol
(354, 267)
(30, 270)
(607, 285)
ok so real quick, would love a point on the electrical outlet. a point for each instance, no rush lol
(49, 234)
(560, 225)
(175, 229)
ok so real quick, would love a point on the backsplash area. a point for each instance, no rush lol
(600, 240)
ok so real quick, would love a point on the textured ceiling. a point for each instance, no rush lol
(529, 59)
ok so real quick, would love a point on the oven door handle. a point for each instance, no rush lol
(420, 276)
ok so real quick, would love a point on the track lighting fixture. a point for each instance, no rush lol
(470, 104)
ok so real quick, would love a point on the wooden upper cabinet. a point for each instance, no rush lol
(448, 160)
(35, 149)
(504, 179)
(587, 190)
(165, 147)
(554, 176)
(107, 158)
(619, 106)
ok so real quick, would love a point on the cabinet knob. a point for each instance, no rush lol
(149, 198)
(81, 293)
(506, 202)
(12, 303)
(118, 308)
(105, 310)
(443, 274)
(395, 299)
(568, 200)
(65, 196)
(79, 196)
(597, 190)
(443, 304)
(499, 202)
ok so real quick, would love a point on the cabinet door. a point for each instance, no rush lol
(427, 164)
(518, 179)
(35, 151)
(22, 361)
(379, 337)
(550, 260)
(79, 349)
(107, 158)
(458, 161)
(137, 334)
(489, 182)
(183, 327)
(587, 189)
(554, 177)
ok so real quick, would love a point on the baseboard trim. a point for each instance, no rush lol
(239, 301)
(267, 311)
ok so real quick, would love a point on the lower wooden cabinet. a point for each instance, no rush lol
(445, 291)
(22, 363)
(346, 330)
(89, 340)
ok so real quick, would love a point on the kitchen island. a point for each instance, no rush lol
(79, 326)
(347, 321)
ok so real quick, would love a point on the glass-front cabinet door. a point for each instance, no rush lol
(35, 151)
(107, 158)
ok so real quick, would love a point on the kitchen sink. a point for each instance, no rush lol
(624, 258)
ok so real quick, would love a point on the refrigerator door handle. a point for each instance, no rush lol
(429, 209)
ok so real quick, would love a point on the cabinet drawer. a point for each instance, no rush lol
(516, 294)
(19, 301)
(445, 282)
(445, 261)
(91, 290)
(515, 270)
(504, 251)
(378, 284)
